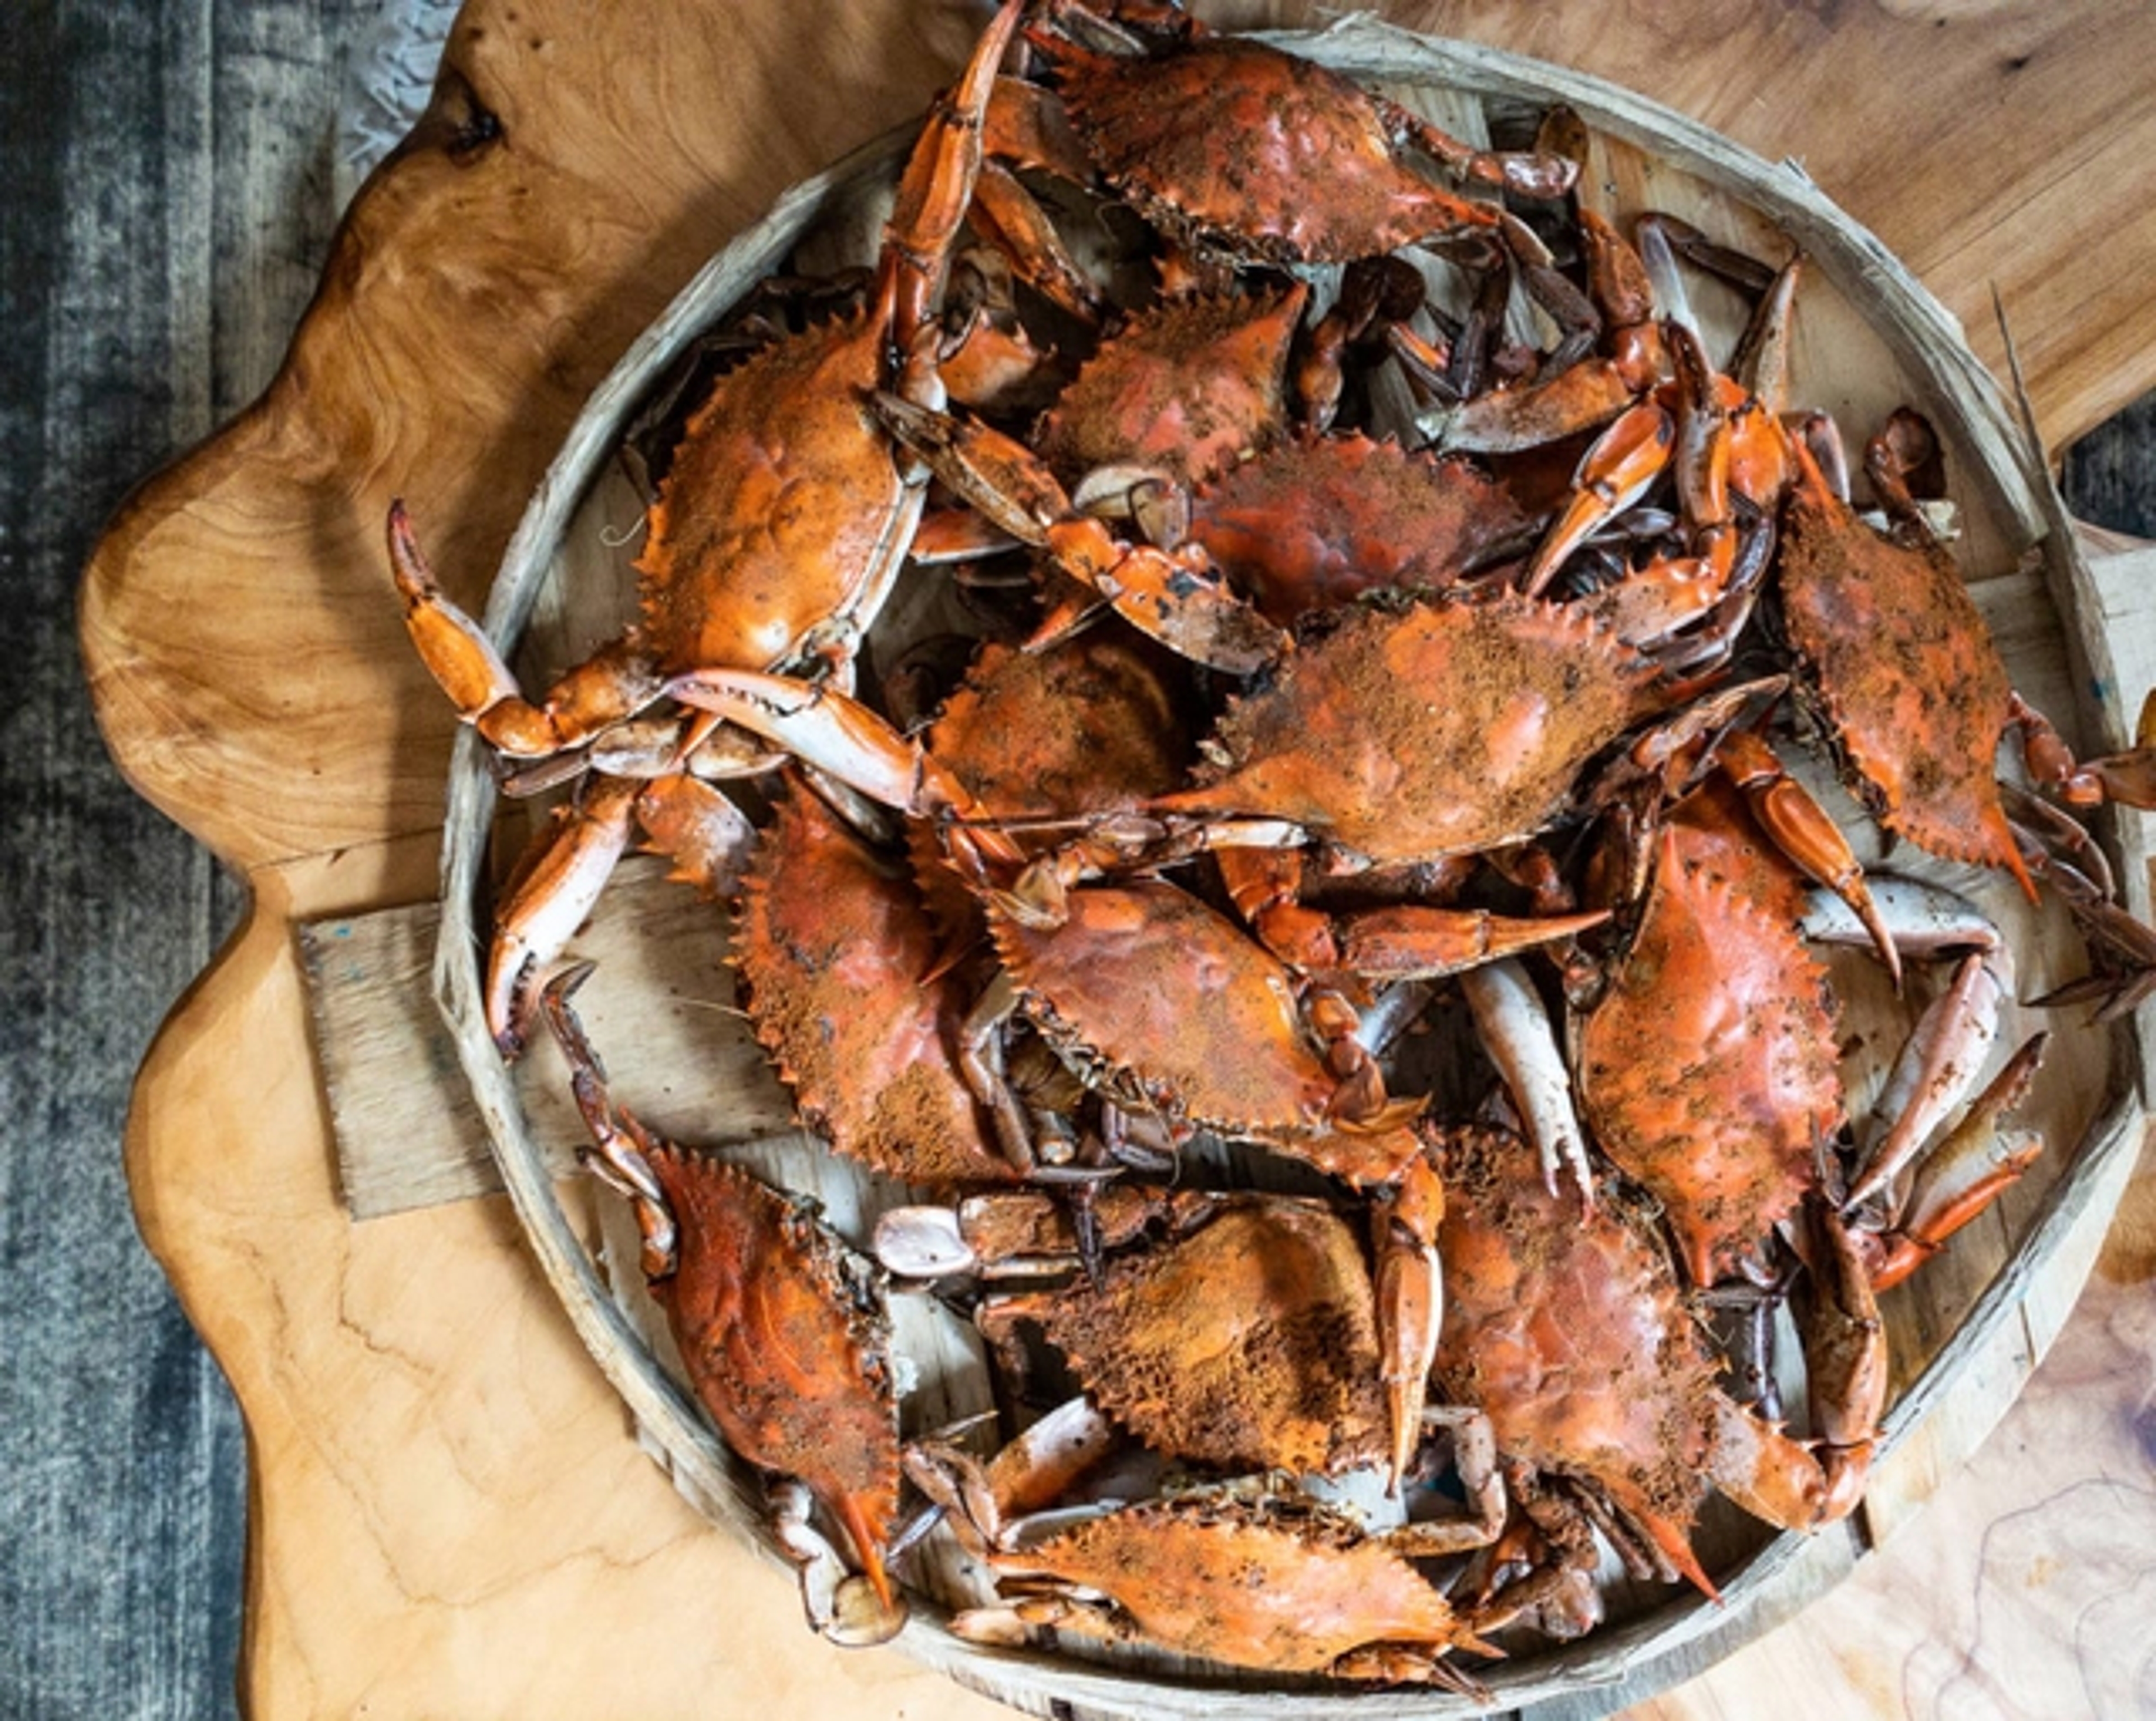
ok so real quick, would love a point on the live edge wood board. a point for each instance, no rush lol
(449, 1515)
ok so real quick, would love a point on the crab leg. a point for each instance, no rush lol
(1804, 833)
(1017, 226)
(1406, 941)
(1410, 1284)
(1620, 468)
(1978, 1160)
(1176, 596)
(1516, 1030)
(825, 729)
(616, 683)
(932, 199)
(1845, 1360)
(1944, 1054)
(559, 882)
(1593, 391)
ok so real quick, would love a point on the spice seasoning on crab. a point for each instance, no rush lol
(1906, 669)
(1408, 733)
(1708, 1069)
(1180, 390)
(1235, 147)
(1316, 521)
(1277, 1583)
(1055, 737)
(837, 958)
(1249, 1340)
(1567, 1329)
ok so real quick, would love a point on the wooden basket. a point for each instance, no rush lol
(1869, 338)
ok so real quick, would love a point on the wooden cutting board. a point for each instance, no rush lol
(449, 1515)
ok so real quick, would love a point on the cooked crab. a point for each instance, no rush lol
(1245, 1336)
(1276, 1582)
(1566, 1327)
(774, 540)
(1234, 147)
(780, 1326)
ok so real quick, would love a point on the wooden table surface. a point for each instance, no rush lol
(177, 217)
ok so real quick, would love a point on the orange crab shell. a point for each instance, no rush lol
(1905, 669)
(1316, 521)
(1248, 1584)
(1566, 1328)
(1094, 725)
(782, 507)
(1181, 389)
(1411, 733)
(1250, 1343)
(1183, 1007)
(1231, 144)
(1152, 981)
(782, 1330)
(834, 949)
(1708, 1072)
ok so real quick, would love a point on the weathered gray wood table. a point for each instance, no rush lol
(169, 204)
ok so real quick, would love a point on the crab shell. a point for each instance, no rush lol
(1709, 1071)
(1179, 1011)
(1249, 1343)
(1567, 1330)
(1912, 686)
(1181, 389)
(1232, 145)
(1094, 725)
(782, 508)
(834, 951)
(1410, 733)
(783, 1330)
(1248, 1583)
(1315, 521)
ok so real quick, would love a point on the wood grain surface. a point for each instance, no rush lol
(173, 171)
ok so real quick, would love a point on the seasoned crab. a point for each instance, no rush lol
(1174, 1009)
(1708, 1067)
(1276, 1582)
(838, 961)
(1045, 741)
(1315, 521)
(1180, 390)
(1901, 664)
(1409, 732)
(780, 1326)
(775, 540)
(1567, 1328)
(1231, 146)
(1245, 1338)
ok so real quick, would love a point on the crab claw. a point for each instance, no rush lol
(823, 728)
(1515, 1030)
(1176, 596)
(1944, 1054)
(1410, 1293)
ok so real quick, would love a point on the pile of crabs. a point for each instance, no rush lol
(1344, 661)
